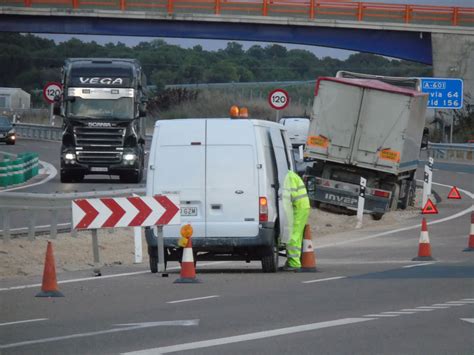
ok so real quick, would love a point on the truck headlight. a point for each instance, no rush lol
(69, 156)
(129, 157)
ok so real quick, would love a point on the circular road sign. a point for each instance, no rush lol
(278, 99)
(51, 90)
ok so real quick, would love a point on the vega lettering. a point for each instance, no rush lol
(104, 81)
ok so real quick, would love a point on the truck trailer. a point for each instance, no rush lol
(103, 110)
(364, 128)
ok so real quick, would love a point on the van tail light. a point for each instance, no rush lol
(381, 193)
(263, 209)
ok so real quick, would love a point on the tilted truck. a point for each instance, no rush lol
(364, 128)
(103, 107)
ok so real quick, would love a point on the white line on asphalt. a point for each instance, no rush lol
(397, 312)
(467, 299)
(470, 320)
(424, 264)
(381, 315)
(417, 310)
(95, 278)
(444, 304)
(194, 299)
(51, 171)
(321, 280)
(459, 302)
(249, 336)
(432, 307)
(24, 321)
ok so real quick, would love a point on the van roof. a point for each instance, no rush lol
(255, 122)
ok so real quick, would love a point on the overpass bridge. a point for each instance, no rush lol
(442, 36)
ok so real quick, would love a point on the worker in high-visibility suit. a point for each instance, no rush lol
(295, 193)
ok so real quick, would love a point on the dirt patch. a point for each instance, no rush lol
(22, 257)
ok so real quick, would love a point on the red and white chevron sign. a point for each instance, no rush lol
(136, 211)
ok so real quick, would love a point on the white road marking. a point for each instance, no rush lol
(398, 312)
(459, 302)
(194, 299)
(321, 280)
(470, 320)
(381, 315)
(417, 310)
(50, 170)
(249, 336)
(444, 304)
(24, 321)
(126, 327)
(467, 299)
(95, 278)
(424, 264)
(433, 307)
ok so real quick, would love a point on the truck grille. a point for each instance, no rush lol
(99, 137)
(99, 157)
(99, 144)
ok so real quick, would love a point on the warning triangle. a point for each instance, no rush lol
(429, 208)
(454, 193)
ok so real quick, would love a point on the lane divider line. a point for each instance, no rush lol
(424, 264)
(194, 299)
(24, 321)
(321, 280)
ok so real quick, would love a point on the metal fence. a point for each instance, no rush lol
(38, 131)
(54, 208)
(452, 151)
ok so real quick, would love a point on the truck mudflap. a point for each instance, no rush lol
(346, 195)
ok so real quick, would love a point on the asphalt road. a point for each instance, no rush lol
(368, 297)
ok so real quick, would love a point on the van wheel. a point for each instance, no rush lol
(153, 257)
(377, 216)
(270, 259)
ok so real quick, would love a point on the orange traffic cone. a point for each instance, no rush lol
(188, 272)
(308, 258)
(470, 246)
(424, 247)
(49, 287)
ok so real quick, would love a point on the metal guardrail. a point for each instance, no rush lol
(51, 205)
(452, 151)
(38, 131)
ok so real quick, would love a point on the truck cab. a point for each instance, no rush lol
(103, 107)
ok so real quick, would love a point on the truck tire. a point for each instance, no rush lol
(270, 258)
(377, 216)
(395, 197)
(410, 195)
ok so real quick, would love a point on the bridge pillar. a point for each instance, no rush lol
(453, 57)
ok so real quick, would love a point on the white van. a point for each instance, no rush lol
(228, 173)
(297, 128)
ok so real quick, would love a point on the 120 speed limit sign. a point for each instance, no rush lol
(51, 90)
(278, 99)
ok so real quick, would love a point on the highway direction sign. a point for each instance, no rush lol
(278, 99)
(51, 90)
(137, 211)
(444, 93)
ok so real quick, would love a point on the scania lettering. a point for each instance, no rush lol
(103, 107)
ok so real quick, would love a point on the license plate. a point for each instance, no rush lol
(99, 168)
(189, 211)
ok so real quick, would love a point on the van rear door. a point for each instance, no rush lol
(231, 179)
(180, 167)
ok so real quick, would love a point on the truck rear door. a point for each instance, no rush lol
(231, 179)
(334, 120)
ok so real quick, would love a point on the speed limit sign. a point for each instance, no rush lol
(51, 90)
(278, 99)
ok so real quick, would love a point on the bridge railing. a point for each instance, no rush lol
(460, 152)
(312, 9)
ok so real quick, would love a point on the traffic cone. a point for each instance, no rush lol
(49, 287)
(308, 258)
(188, 272)
(470, 246)
(424, 247)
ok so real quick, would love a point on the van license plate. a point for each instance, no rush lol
(99, 169)
(189, 211)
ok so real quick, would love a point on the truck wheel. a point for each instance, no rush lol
(410, 195)
(270, 259)
(377, 216)
(395, 197)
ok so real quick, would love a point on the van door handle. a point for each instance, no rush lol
(216, 207)
(239, 192)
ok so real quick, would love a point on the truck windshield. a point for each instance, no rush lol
(121, 109)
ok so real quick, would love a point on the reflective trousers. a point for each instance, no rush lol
(293, 247)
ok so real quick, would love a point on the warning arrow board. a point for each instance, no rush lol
(430, 208)
(136, 211)
(454, 193)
